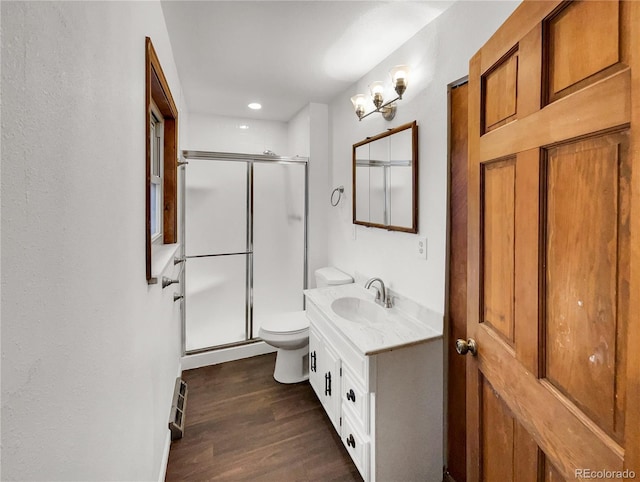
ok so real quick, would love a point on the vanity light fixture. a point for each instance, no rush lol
(399, 78)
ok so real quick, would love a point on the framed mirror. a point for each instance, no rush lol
(385, 180)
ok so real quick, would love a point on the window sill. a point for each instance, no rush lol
(161, 255)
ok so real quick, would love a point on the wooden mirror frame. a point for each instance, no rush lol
(414, 181)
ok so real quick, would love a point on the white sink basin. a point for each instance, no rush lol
(358, 310)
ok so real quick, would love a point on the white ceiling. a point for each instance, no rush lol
(283, 54)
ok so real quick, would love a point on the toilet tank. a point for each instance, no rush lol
(330, 276)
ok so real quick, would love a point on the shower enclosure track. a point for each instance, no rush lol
(250, 159)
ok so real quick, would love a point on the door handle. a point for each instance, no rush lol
(464, 347)
(313, 361)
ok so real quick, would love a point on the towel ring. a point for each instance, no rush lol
(339, 190)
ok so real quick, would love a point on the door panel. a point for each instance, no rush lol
(585, 281)
(497, 436)
(577, 52)
(509, 452)
(216, 288)
(216, 200)
(500, 93)
(498, 190)
(552, 253)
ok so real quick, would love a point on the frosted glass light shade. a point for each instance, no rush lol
(376, 88)
(358, 102)
(400, 78)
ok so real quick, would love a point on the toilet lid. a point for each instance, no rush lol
(291, 322)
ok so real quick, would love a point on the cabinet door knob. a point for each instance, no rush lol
(351, 395)
(351, 442)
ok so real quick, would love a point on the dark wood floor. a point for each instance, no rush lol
(243, 425)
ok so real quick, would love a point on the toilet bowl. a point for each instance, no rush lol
(289, 333)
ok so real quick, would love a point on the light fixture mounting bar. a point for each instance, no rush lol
(382, 108)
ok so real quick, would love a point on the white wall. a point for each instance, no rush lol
(208, 132)
(439, 54)
(309, 137)
(90, 351)
(299, 133)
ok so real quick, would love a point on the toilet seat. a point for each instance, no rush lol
(291, 323)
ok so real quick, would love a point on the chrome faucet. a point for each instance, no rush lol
(382, 296)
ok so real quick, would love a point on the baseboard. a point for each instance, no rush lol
(223, 355)
(165, 457)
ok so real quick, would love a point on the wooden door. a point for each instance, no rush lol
(457, 294)
(554, 245)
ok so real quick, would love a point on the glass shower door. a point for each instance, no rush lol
(278, 239)
(216, 235)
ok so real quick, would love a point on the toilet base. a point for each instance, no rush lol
(292, 366)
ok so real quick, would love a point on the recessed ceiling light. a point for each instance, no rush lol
(255, 106)
(243, 126)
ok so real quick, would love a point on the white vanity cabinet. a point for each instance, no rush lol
(324, 376)
(386, 405)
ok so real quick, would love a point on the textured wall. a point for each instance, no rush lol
(89, 351)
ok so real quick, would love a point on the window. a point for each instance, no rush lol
(161, 205)
(157, 144)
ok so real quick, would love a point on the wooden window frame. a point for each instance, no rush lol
(157, 90)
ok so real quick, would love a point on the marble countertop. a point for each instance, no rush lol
(405, 324)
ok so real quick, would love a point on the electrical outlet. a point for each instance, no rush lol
(422, 248)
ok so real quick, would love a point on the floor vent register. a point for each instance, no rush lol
(178, 407)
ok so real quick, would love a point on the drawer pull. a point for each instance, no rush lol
(351, 442)
(351, 395)
(327, 383)
(313, 361)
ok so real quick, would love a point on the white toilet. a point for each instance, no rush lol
(289, 333)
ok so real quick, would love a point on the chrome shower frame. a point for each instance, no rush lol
(250, 159)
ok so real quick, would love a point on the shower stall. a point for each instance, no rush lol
(245, 244)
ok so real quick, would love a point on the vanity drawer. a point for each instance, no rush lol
(357, 445)
(355, 399)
